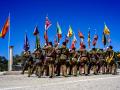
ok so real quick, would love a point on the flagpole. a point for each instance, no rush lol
(9, 67)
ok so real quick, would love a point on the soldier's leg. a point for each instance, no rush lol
(29, 71)
(86, 69)
(94, 69)
(64, 70)
(102, 67)
(58, 69)
(50, 70)
(114, 68)
(75, 70)
(80, 68)
(70, 70)
(53, 70)
(39, 71)
(25, 67)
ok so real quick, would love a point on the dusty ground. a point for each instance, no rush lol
(92, 82)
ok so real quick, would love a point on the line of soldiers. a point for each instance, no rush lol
(60, 61)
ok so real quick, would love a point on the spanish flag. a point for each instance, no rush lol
(5, 28)
(106, 30)
(70, 32)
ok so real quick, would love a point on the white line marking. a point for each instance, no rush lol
(60, 83)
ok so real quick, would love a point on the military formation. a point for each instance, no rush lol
(58, 60)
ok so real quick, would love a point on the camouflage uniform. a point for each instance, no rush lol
(25, 61)
(94, 61)
(63, 58)
(51, 59)
(57, 60)
(102, 61)
(30, 65)
(45, 62)
(84, 61)
(111, 64)
(73, 61)
(38, 65)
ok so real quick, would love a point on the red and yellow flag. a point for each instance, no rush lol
(70, 32)
(5, 28)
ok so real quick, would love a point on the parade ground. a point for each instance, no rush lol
(91, 82)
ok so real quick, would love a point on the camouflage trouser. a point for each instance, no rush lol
(51, 69)
(84, 64)
(30, 68)
(112, 67)
(103, 65)
(57, 68)
(64, 70)
(24, 66)
(63, 67)
(74, 66)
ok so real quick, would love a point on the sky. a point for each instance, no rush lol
(80, 14)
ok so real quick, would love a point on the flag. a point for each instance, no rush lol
(74, 39)
(59, 31)
(70, 32)
(89, 38)
(81, 45)
(36, 31)
(37, 45)
(109, 40)
(66, 39)
(80, 34)
(5, 28)
(26, 43)
(73, 45)
(46, 37)
(55, 40)
(104, 39)
(73, 42)
(95, 40)
(96, 37)
(106, 30)
(47, 23)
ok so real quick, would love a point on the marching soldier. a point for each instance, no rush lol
(94, 60)
(73, 61)
(111, 64)
(38, 65)
(45, 62)
(50, 58)
(57, 60)
(84, 60)
(63, 58)
(102, 62)
(25, 61)
(69, 63)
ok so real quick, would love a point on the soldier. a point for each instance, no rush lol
(45, 62)
(69, 62)
(30, 65)
(25, 61)
(102, 63)
(94, 60)
(84, 60)
(63, 58)
(74, 61)
(38, 65)
(57, 60)
(111, 64)
(51, 59)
